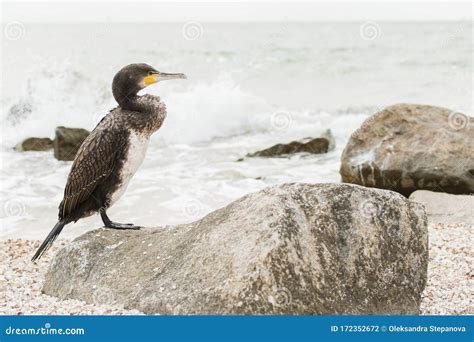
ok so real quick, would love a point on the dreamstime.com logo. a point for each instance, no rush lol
(46, 330)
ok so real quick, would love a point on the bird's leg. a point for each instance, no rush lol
(114, 225)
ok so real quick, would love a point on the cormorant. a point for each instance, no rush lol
(112, 153)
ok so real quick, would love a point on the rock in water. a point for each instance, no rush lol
(309, 145)
(34, 144)
(408, 147)
(291, 249)
(68, 141)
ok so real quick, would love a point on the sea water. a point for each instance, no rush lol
(249, 86)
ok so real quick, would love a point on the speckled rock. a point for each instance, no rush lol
(289, 249)
(408, 147)
(318, 145)
(34, 144)
(67, 142)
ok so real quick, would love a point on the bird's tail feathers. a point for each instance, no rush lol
(53, 234)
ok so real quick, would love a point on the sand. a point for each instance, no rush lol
(450, 286)
(448, 291)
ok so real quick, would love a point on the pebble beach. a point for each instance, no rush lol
(448, 291)
(21, 282)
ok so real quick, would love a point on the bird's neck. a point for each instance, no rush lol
(146, 104)
(126, 98)
(130, 102)
(144, 114)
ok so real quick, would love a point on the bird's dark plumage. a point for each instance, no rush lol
(53, 234)
(113, 151)
(93, 165)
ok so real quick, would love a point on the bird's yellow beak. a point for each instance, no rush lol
(161, 76)
(150, 79)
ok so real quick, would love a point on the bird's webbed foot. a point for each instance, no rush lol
(115, 225)
(108, 223)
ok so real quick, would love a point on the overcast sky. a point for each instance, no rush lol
(226, 11)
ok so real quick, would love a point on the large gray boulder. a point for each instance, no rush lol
(446, 208)
(292, 249)
(67, 142)
(408, 147)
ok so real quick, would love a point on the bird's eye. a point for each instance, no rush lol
(150, 73)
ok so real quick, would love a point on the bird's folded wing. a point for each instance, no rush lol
(93, 164)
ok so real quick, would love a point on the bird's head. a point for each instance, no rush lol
(134, 77)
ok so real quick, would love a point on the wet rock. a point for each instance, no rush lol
(34, 144)
(408, 147)
(291, 249)
(68, 141)
(308, 145)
